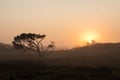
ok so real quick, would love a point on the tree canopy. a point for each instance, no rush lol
(29, 41)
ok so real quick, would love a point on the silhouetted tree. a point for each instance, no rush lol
(93, 41)
(29, 41)
(51, 46)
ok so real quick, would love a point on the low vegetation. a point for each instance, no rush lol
(22, 70)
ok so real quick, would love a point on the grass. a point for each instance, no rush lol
(40, 71)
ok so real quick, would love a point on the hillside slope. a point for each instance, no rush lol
(107, 54)
(7, 52)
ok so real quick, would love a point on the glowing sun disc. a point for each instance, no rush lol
(89, 37)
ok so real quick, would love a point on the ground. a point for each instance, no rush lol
(26, 70)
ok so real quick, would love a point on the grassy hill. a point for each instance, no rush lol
(107, 54)
(8, 53)
(95, 62)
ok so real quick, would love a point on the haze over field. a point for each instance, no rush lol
(69, 23)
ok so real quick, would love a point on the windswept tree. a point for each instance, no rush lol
(51, 46)
(29, 41)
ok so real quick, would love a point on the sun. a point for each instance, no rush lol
(90, 41)
(89, 37)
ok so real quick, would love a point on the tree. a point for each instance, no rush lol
(51, 46)
(29, 41)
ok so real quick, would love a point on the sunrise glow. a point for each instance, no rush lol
(90, 41)
(89, 37)
(67, 22)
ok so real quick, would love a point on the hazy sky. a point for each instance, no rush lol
(67, 22)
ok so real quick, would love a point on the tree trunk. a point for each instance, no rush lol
(39, 52)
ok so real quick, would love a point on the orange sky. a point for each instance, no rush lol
(67, 22)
